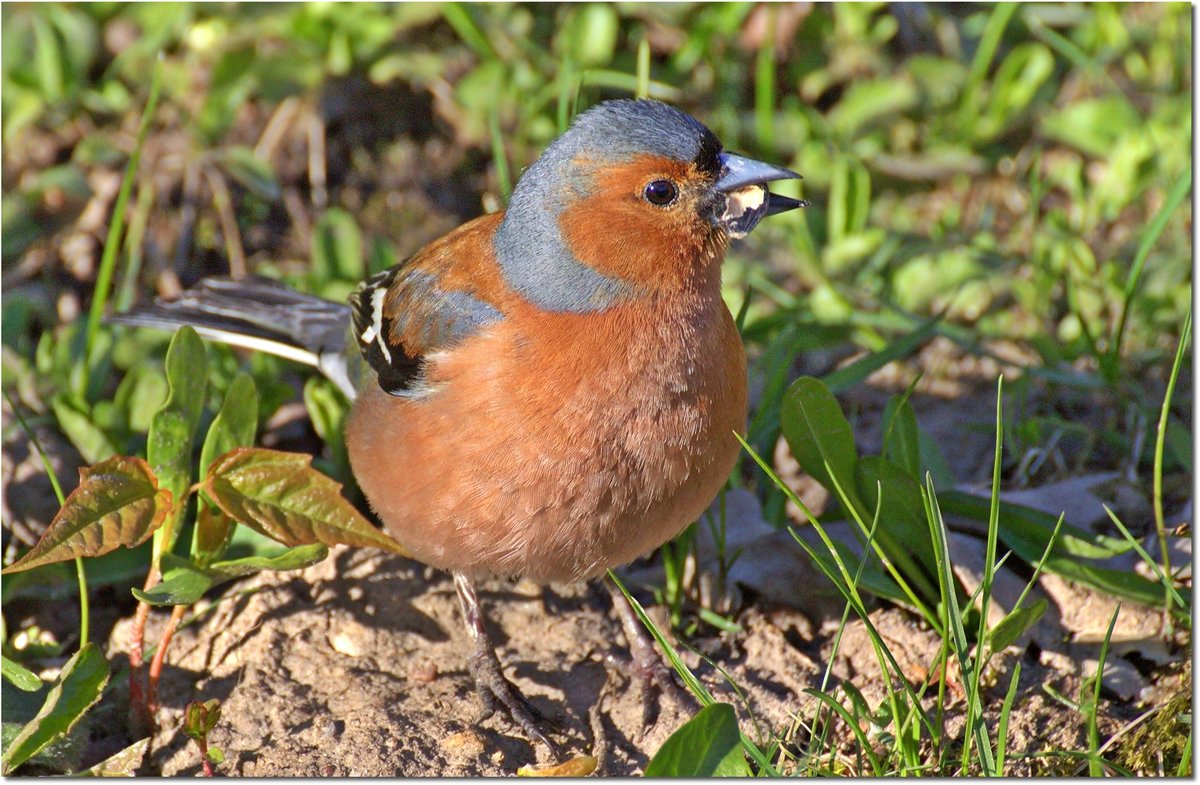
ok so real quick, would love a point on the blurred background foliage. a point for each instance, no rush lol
(994, 166)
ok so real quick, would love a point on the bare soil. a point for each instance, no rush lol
(357, 667)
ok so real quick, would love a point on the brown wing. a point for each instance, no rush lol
(439, 297)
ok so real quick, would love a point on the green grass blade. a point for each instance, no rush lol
(1005, 713)
(1185, 759)
(503, 176)
(1092, 702)
(1160, 441)
(764, 82)
(85, 614)
(985, 589)
(1178, 192)
(458, 16)
(1184, 605)
(863, 742)
(976, 730)
(112, 242)
(988, 44)
(689, 679)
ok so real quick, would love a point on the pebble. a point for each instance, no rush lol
(464, 745)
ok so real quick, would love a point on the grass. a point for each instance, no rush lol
(1008, 180)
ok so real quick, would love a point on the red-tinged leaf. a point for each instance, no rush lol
(280, 495)
(118, 502)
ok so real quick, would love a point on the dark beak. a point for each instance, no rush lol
(748, 201)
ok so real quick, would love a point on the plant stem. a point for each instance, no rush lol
(160, 655)
(142, 719)
(84, 608)
(1160, 526)
(643, 69)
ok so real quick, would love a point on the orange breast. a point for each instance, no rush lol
(555, 446)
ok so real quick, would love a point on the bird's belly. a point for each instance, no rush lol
(553, 465)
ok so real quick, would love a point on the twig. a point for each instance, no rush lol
(277, 126)
(316, 160)
(229, 228)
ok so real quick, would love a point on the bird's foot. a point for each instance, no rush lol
(495, 691)
(657, 679)
(645, 664)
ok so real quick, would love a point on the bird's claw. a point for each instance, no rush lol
(497, 692)
(657, 680)
(494, 689)
(645, 664)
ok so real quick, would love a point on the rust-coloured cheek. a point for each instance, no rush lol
(616, 232)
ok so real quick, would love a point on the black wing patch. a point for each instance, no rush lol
(429, 318)
(396, 371)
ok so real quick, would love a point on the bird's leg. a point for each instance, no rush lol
(649, 669)
(493, 688)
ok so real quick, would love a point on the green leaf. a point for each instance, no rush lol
(19, 676)
(215, 755)
(869, 100)
(292, 559)
(327, 408)
(124, 764)
(200, 718)
(118, 502)
(903, 531)
(234, 426)
(1072, 550)
(336, 248)
(280, 495)
(1094, 125)
(590, 34)
(93, 444)
(235, 423)
(184, 583)
(708, 745)
(819, 435)
(1014, 85)
(169, 444)
(77, 687)
(871, 574)
(1014, 624)
(213, 532)
(901, 439)
(252, 172)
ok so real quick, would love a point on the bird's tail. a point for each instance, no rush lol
(258, 313)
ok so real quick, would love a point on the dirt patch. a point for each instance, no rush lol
(357, 667)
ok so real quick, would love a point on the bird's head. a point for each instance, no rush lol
(636, 195)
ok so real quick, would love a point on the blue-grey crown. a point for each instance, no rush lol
(625, 128)
(533, 257)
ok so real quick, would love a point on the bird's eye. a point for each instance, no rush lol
(661, 192)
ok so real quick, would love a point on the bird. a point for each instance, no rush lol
(546, 392)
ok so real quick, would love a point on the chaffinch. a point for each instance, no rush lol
(546, 392)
